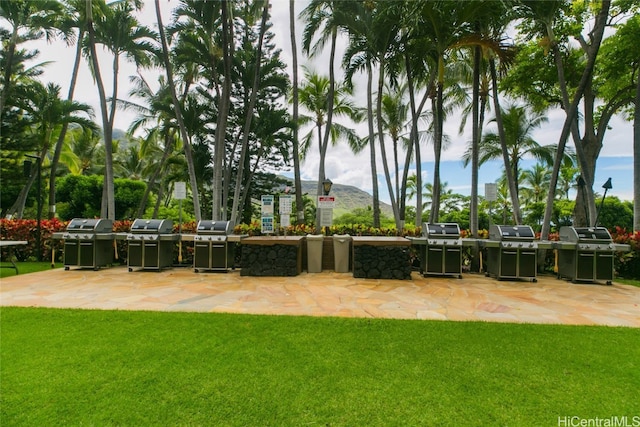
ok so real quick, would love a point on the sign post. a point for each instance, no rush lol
(180, 193)
(491, 194)
(285, 203)
(266, 202)
(326, 205)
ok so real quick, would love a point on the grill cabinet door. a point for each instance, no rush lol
(86, 254)
(71, 252)
(604, 266)
(453, 261)
(435, 259)
(527, 263)
(202, 255)
(150, 254)
(219, 256)
(509, 263)
(134, 256)
(585, 265)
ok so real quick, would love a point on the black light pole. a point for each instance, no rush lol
(39, 205)
(607, 185)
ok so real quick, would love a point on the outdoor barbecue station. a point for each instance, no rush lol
(512, 252)
(214, 248)
(88, 243)
(583, 254)
(440, 249)
(150, 244)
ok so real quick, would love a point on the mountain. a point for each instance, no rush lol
(347, 197)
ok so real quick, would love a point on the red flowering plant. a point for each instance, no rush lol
(27, 230)
(627, 264)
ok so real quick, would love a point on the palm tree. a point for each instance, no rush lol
(317, 14)
(545, 15)
(86, 148)
(47, 113)
(313, 95)
(121, 34)
(519, 123)
(238, 193)
(360, 55)
(535, 184)
(395, 122)
(73, 18)
(29, 20)
(179, 118)
(295, 100)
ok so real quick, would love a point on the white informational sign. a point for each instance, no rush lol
(491, 192)
(285, 220)
(286, 203)
(180, 190)
(326, 217)
(267, 205)
(326, 202)
(267, 225)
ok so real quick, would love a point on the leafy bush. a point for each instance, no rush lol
(80, 196)
(627, 263)
(27, 229)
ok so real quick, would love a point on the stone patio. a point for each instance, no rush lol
(475, 297)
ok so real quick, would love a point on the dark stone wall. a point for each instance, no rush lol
(269, 260)
(381, 262)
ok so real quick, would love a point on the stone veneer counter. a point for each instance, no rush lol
(271, 256)
(381, 257)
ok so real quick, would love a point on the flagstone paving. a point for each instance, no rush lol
(475, 297)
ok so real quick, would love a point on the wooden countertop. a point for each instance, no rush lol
(272, 240)
(381, 241)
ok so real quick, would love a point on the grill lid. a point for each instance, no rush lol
(152, 226)
(90, 225)
(585, 234)
(207, 226)
(522, 233)
(441, 230)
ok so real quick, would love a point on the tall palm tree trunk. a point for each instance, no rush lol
(239, 192)
(372, 148)
(223, 111)
(437, 149)
(63, 132)
(178, 112)
(475, 140)
(383, 151)
(327, 131)
(513, 192)
(636, 161)
(296, 143)
(108, 194)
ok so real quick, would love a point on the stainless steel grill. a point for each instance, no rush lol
(150, 243)
(212, 249)
(585, 254)
(88, 243)
(511, 252)
(442, 254)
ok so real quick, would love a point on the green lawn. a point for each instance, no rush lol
(75, 367)
(26, 267)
